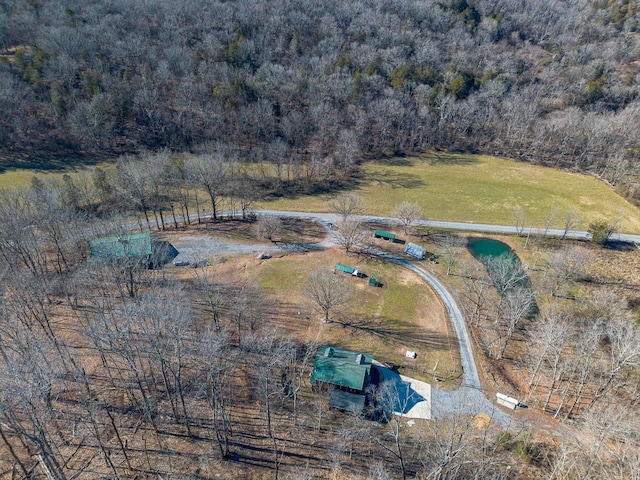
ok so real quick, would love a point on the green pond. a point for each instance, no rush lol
(486, 250)
(487, 247)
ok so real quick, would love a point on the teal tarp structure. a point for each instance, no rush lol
(344, 268)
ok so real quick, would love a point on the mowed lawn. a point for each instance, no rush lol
(458, 187)
(402, 315)
(481, 189)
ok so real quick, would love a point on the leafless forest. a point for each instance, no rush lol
(314, 86)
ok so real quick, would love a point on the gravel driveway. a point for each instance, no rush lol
(468, 398)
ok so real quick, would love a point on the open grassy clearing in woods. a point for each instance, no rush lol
(482, 189)
(402, 315)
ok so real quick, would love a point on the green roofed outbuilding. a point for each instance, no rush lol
(130, 245)
(136, 246)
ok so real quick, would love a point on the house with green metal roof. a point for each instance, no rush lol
(348, 372)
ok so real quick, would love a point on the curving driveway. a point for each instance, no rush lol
(418, 399)
(468, 398)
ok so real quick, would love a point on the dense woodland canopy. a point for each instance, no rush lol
(321, 84)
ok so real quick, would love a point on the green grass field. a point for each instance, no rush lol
(482, 189)
(19, 177)
(466, 188)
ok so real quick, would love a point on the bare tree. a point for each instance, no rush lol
(165, 323)
(518, 304)
(247, 305)
(451, 251)
(548, 222)
(565, 266)
(209, 172)
(475, 291)
(327, 290)
(268, 227)
(571, 221)
(133, 182)
(408, 213)
(520, 220)
(28, 392)
(456, 448)
(271, 353)
(552, 330)
(218, 360)
(347, 205)
(506, 273)
(622, 355)
(349, 233)
(389, 397)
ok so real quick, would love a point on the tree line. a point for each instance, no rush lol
(312, 88)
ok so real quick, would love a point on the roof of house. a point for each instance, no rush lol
(341, 367)
(121, 246)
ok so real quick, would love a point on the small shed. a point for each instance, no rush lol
(506, 401)
(415, 251)
(344, 268)
(384, 235)
(374, 282)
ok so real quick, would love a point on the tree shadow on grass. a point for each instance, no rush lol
(446, 158)
(432, 158)
(397, 160)
(395, 180)
(620, 246)
(405, 334)
(296, 189)
(53, 161)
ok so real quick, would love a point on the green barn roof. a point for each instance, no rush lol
(121, 246)
(341, 367)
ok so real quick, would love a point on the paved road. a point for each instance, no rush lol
(470, 227)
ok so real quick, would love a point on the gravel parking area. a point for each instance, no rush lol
(197, 248)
